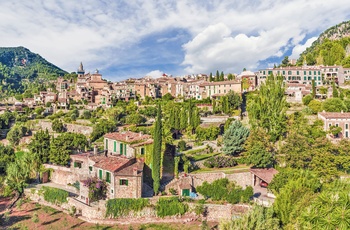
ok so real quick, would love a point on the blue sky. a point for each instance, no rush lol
(135, 38)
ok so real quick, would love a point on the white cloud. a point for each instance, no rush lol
(298, 49)
(155, 74)
(226, 35)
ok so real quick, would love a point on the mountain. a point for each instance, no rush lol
(331, 48)
(20, 67)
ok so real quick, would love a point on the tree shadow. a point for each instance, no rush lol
(257, 195)
(34, 209)
(55, 212)
(51, 221)
(77, 225)
(12, 220)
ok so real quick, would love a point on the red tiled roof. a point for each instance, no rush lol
(110, 163)
(265, 174)
(335, 115)
(127, 136)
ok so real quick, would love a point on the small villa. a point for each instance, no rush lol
(336, 119)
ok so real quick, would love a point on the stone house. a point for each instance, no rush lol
(338, 119)
(124, 176)
(128, 144)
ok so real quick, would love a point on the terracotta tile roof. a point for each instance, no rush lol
(264, 174)
(335, 115)
(111, 163)
(128, 136)
(130, 169)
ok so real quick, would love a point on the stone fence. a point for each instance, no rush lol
(73, 128)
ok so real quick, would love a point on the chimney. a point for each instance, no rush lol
(134, 170)
(141, 133)
(127, 138)
(95, 150)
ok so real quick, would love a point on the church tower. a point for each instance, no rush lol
(81, 70)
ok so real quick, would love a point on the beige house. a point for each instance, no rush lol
(338, 119)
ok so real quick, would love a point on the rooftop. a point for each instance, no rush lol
(264, 174)
(128, 136)
(335, 115)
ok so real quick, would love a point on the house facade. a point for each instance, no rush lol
(337, 119)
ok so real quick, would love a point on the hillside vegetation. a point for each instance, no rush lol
(19, 67)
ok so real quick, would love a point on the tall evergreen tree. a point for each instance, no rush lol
(157, 149)
(222, 76)
(313, 93)
(217, 76)
(335, 90)
(234, 138)
(183, 119)
(196, 120)
(211, 79)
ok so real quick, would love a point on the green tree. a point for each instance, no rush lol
(16, 133)
(86, 114)
(39, 147)
(268, 108)
(211, 79)
(315, 106)
(57, 126)
(7, 155)
(306, 100)
(222, 76)
(217, 76)
(333, 105)
(234, 100)
(234, 138)
(135, 119)
(183, 119)
(167, 97)
(335, 90)
(157, 151)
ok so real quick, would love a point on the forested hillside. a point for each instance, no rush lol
(331, 48)
(19, 67)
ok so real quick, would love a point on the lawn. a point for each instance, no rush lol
(236, 169)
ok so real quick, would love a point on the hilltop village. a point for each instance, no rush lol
(193, 149)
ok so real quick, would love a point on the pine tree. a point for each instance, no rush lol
(40, 148)
(234, 138)
(217, 76)
(157, 148)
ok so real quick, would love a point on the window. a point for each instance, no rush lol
(346, 134)
(336, 125)
(142, 151)
(298, 72)
(100, 174)
(77, 164)
(90, 168)
(123, 182)
(289, 72)
(283, 72)
(114, 146)
(108, 177)
(112, 191)
(346, 126)
(121, 148)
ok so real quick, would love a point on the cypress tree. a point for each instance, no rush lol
(313, 88)
(157, 148)
(183, 119)
(211, 77)
(217, 76)
(222, 76)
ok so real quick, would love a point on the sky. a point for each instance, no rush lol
(135, 38)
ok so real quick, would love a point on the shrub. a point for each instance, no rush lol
(55, 195)
(122, 206)
(182, 145)
(170, 207)
(220, 162)
(223, 190)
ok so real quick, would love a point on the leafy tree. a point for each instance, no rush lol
(333, 105)
(149, 111)
(16, 133)
(307, 99)
(257, 218)
(135, 119)
(209, 133)
(268, 108)
(167, 97)
(315, 106)
(285, 61)
(234, 138)
(86, 114)
(7, 155)
(335, 90)
(39, 146)
(182, 145)
(234, 100)
(102, 127)
(230, 77)
(157, 151)
(57, 126)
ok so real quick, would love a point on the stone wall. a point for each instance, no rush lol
(62, 175)
(242, 179)
(73, 128)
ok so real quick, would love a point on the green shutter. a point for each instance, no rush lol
(106, 144)
(115, 147)
(108, 177)
(121, 148)
(100, 174)
(126, 182)
(142, 151)
(75, 164)
(125, 149)
(90, 168)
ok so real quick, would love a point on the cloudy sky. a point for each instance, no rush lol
(134, 38)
